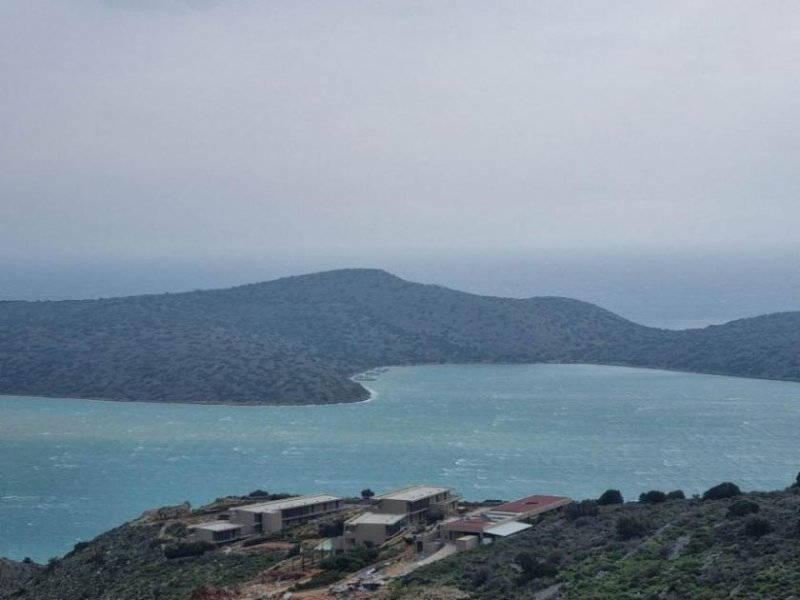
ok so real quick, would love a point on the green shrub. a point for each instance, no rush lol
(757, 527)
(255, 541)
(329, 529)
(723, 490)
(653, 497)
(320, 580)
(741, 508)
(584, 508)
(629, 527)
(187, 549)
(610, 497)
(676, 495)
(532, 568)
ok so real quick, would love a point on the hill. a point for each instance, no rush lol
(698, 549)
(746, 546)
(298, 340)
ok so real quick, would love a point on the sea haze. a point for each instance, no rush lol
(70, 469)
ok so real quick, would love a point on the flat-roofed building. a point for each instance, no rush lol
(269, 517)
(418, 501)
(217, 532)
(502, 520)
(373, 528)
(484, 529)
(525, 508)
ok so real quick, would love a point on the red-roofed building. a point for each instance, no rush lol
(527, 507)
(502, 520)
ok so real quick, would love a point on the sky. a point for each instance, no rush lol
(396, 133)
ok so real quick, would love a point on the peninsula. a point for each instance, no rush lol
(300, 340)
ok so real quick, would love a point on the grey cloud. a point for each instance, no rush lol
(387, 129)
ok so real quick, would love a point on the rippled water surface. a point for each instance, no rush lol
(70, 469)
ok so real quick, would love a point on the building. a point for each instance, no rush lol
(502, 520)
(269, 517)
(525, 508)
(218, 532)
(373, 528)
(418, 502)
(485, 530)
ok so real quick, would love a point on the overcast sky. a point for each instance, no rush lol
(235, 129)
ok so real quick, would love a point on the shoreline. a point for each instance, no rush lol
(372, 394)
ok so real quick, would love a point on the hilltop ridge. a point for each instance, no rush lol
(300, 339)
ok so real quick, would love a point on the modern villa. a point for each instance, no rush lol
(417, 502)
(499, 521)
(396, 510)
(218, 532)
(372, 528)
(273, 516)
(266, 517)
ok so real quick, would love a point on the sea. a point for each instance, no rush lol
(70, 469)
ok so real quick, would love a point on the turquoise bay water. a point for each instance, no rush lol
(70, 469)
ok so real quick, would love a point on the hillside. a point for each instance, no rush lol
(298, 340)
(746, 546)
(675, 550)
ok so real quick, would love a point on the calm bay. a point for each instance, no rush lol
(70, 469)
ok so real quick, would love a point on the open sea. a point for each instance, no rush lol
(70, 469)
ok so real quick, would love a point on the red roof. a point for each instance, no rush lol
(531, 503)
(476, 524)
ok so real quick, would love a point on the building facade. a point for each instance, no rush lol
(418, 502)
(270, 517)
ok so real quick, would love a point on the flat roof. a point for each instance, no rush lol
(476, 524)
(217, 526)
(413, 492)
(370, 518)
(295, 502)
(506, 529)
(531, 503)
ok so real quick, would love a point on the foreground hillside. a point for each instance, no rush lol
(300, 339)
(673, 550)
(744, 546)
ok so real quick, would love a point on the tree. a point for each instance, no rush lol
(653, 497)
(740, 508)
(757, 527)
(610, 497)
(367, 493)
(584, 508)
(629, 527)
(723, 490)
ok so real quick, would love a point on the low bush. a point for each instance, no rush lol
(255, 541)
(629, 527)
(584, 508)
(610, 497)
(676, 495)
(320, 580)
(533, 568)
(330, 529)
(653, 497)
(351, 561)
(757, 527)
(187, 549)
(723, 490)
(742, 508)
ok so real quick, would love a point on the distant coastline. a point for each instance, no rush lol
(317, 339)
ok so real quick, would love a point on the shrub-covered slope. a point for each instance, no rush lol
(299, 339)
(674, 550)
